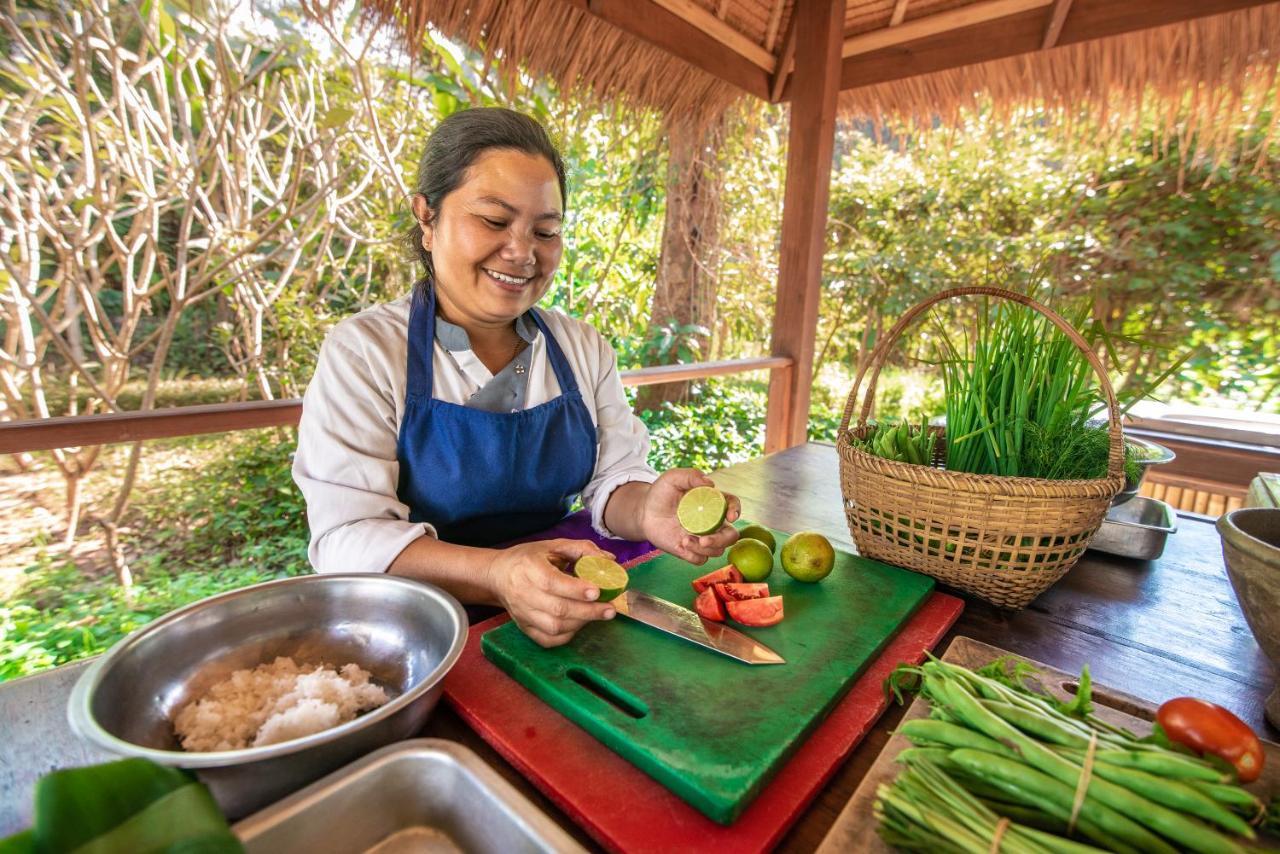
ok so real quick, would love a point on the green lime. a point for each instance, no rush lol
(752, 558)
(808, 556)
(603, 573)
(761, 533)
(702, 510)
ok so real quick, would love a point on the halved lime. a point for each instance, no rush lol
(603, 573)
(702, 510)
(761, 533)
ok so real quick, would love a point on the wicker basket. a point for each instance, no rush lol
(1004, 539)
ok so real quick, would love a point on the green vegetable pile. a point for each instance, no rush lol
(902, 443)
(997, 758)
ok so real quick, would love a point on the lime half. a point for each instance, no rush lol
(603, 573)
(702, 510)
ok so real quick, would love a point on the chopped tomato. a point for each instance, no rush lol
(723, 575)
(756, 612)
(708, 606)
(1207, 728)
(741, 592)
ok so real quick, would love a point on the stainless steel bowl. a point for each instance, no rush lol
(405, 633)
(1154, 455)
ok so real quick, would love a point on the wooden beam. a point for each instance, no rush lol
(775, 20)
(722, 9)
(899, 12)
(920, 28)
(1056, 19)
(786, 59)
(708, 23)
(651, 23)
(87, 430)
(819, 25)
(1017, 33)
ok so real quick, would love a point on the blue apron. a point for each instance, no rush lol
(480, 477)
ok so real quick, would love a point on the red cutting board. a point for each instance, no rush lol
(626, 810)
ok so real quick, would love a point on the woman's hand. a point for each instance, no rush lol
(660, 526)
(547, 604)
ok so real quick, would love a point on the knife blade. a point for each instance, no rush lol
(683, 623)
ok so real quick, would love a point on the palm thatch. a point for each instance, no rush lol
(1210, 78)
(1209, 75)
(582, 53)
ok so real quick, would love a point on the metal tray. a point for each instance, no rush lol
(420, 795)
(1137, 528)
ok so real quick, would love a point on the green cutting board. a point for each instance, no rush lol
(712, 729)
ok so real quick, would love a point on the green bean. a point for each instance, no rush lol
(1096, 821)
(1232, 796)
(949, 734)
(1162, 764)
(1040, 726)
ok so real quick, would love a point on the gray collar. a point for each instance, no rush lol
(455, 338)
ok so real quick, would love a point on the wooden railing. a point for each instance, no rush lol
(85, 430)
(1210, 476)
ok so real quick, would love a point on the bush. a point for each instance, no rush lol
(235, 522)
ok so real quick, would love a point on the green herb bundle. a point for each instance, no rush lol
(1018, 388)
(1062, 779)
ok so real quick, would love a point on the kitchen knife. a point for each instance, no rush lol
(681, 622)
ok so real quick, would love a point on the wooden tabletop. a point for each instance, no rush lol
(1155, 629)
(1152, 629)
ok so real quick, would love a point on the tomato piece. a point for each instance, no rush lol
(1208, 728)
(756, 612)
(736, 573)
(708, 606)
(742, 592)
(725, 574)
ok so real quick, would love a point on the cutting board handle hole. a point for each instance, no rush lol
(611, 694)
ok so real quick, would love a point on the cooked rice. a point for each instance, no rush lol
(273, 703)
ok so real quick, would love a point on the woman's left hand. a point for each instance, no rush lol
(661, 527)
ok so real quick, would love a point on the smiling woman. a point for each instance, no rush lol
(460, 416)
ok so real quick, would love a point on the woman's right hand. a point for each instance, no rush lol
(547, 604)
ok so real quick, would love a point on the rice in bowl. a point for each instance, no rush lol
(275, 702)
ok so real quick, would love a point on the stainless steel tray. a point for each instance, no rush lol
(420, 795)
(1137, 528)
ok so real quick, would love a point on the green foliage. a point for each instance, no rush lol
(237, 521)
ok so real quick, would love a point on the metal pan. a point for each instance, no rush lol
(1137, 528)
(419, 795)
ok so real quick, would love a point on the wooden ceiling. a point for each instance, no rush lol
(750, 43)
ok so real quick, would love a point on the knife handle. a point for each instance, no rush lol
(621, 700)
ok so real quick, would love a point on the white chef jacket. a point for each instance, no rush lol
(346, 462)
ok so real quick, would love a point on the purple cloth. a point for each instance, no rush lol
(577, 526)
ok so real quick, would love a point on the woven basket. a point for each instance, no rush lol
(1004, 539)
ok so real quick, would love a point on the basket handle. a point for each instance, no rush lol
(1115, 455)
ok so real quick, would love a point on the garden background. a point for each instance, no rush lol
(192, 194)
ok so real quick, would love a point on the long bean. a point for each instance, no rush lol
(1185, 831)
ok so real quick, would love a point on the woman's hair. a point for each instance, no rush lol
(456, 143)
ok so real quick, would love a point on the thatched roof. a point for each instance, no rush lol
(901, 58)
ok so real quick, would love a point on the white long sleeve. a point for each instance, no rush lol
(346, 461)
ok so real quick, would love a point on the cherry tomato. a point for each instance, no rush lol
(1210, 729)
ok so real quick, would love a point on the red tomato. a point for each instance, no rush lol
(708, 606)
(742, 592)
(728, 574)
(756, 612)
(1210, 729)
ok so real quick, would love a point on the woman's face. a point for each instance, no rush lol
(495, 242)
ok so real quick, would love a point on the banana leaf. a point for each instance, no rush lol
(132, 805)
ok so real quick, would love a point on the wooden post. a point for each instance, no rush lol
(819, 33)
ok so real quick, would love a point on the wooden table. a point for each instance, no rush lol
(1155, 630)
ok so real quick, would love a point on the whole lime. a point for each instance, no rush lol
(752, 558)
(761, 533)
(808, 556)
